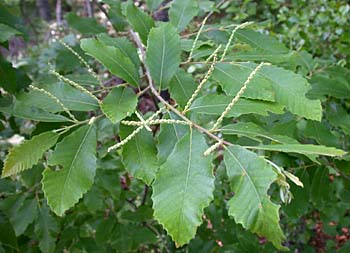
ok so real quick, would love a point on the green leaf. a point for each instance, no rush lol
(260, 41)
(119, 103)
(140, 21)
(163, 54)
(28, 153)
(7, 234)
(83, 79)
(320, 133)
(116, 15)
(216, 104)
(46, 229)
(305, 149)
(140, 155)
(334, 82)
(6, 32)
(183, 187)
(289, 87)
(231, 82)
(24, 216)
(86, 26)
(250, 178)
(25, 111)
(181, 13)
(76, 153)
(153, 4)
(169, 135)
(8, 76)
(71, 98)
(182, 86)
(113, 59)
(255, 132)
(124, 45)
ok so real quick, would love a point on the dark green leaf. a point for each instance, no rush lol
(250, 178)
(113, 59)
(231, 82)
(163, 54)
(86, 26)
(140, 155)
(119, 103)
(140, 21)
(216, 104)
(183, 187)
(182, 87)
(181, 13)
(76, 153)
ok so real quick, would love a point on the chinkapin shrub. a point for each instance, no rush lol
(186, 135)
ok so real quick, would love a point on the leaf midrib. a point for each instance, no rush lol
(71, 165)
(248, 176)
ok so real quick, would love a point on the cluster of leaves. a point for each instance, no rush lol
(317, 26)
(101, 172)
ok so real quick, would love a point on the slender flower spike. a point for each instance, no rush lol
(56, 99)
(239, 94)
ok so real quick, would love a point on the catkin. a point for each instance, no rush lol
(212, 148)
(74, 84)
(237, 97)
(56, 99)
(231, 37)
(81, 59)
(155, 122)
(204, 80)
(197, 37)
(136, 131)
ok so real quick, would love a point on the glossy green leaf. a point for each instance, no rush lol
(86, 26)
(181, 13)
(261, 41)
(24, 216)
(250, 177)
(71, 98)
(25, 111)
(182, 86)
(183, 187)
(290, 88)
(46, 229)
(231, 82)
(124, 45)
(140, 155)
(139, 20)
(169, 135)
(163, 54)
(255, 132)
(76, 153)
(83, 79)
(28, 153)
(113, 59)
(216, 104)
(306, 149)
(119, 103)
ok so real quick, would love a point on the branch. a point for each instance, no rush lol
(169, 106)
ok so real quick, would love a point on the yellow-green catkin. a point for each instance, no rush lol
(56, 99)
(237, 97)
